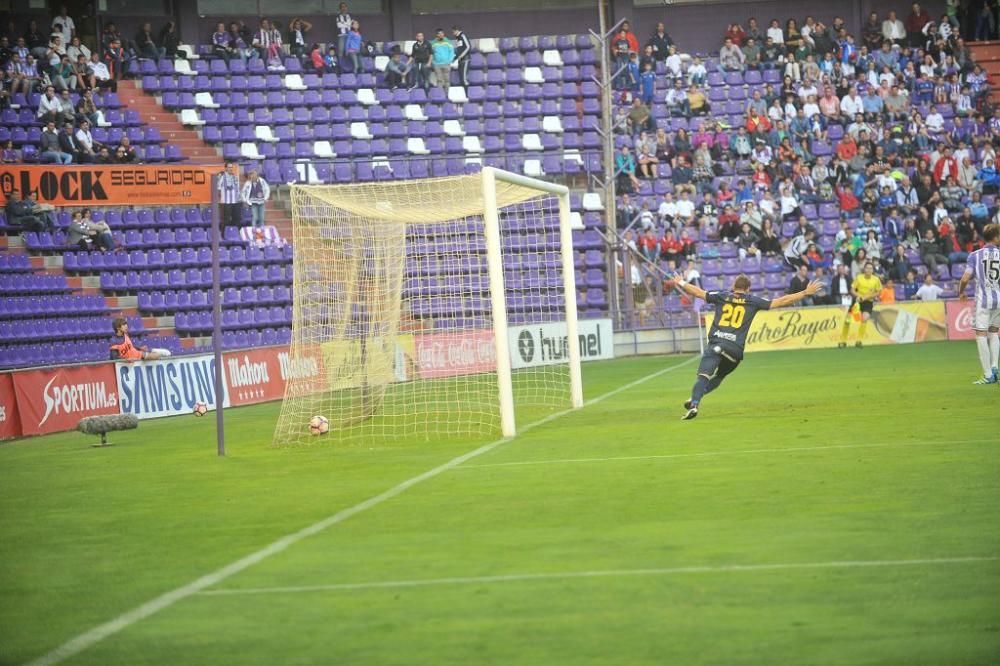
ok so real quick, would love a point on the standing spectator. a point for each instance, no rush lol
(463, 50)
(661, 42)
(775, 33)
(255, 194)
(229, 196)
(114, 58)
(297, 31)
(353, 45)
(50, 148)
(63, 23)
(420, 59)
(915, 23)
(344, 23)
(929, 291)
(871, 32)
(27, 214)
(443, 55)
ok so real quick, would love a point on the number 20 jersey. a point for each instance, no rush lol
(733, 315)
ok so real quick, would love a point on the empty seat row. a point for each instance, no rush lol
(174, 301)
(195, 278)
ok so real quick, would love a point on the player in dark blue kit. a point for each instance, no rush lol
(734, 312)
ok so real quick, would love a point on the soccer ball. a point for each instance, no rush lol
(200, 409)
(319, 425)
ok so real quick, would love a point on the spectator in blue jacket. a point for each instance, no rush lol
(442, 54)
(352, 47)
(989, 177)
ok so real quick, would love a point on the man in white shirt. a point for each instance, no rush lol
(668, 209)
(893, 29)
(49, 106)
(796, 249)
(807, 90)
(851, 104)
(685, 210)
(935, 121)
(86, 140)
(68, 27)
(928, 290)
(810, 108)
(677, 98)
(100, 72)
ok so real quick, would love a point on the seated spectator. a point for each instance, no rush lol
(100, 75)
(69, 145)
(625, 168)
(769, 243)
(929, 291)
(49, 106)
(752, 216)
(800, 280)
(396, 70)
(888, 294)
(697, 103)
(221, 43)
(9, 154)
(240, 41)
(932, 252)
(640, 118)
(50, 147)
(696, 72)
(86, 108)
(89, 146)
(648, 245)
(146, 44)
(794, 254)
(729, 224)
(28, 214)
(170, 41)
(746, 242)
(87, 235)
(125, 152)
(731, 58)
(77, 49)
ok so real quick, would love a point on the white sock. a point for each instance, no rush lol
(994, 339)
(984, 355)
(162, 352)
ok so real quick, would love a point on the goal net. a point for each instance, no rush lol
(433, 308)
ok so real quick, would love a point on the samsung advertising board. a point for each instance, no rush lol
(535, 345)
(150, 389)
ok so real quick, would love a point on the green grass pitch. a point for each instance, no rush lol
(826, 507)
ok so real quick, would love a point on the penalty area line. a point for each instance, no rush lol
(714, 454)
(97, 634)
(612, 573)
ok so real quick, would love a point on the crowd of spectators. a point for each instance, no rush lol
(894, 127)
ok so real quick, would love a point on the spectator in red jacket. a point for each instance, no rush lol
(671, 249)
(633, 41)
(915, 23)
(735, 32)
(947, 166)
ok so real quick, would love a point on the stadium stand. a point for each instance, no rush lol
(531, 106)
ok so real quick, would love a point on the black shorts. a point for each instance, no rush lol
(865, 306)
(717, 362)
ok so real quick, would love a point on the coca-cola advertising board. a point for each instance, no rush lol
(10, 424)
(960, 319)
(455, 353)
(55, 399)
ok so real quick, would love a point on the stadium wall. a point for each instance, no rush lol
(45, 400)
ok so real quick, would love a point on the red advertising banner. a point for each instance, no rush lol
(10, 425)
(451, 354)
(960, 319)
(259, 375)
(56, 399)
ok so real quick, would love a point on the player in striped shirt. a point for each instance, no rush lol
(984, 264)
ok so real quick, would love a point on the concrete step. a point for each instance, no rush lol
(120, 302)
(53, 262)
(13, 242)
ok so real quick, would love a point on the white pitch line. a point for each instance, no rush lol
(613, 573)
(709, 454)
(93, 636)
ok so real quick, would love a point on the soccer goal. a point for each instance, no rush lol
(432, 308)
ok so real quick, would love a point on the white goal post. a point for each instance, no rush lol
(431, 308)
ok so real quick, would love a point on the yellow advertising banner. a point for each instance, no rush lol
(820, 327)
(386, 361)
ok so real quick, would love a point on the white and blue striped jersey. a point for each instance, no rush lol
(984, 265)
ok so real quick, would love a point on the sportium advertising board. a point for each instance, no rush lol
(10, 422)
(820, 327)
(55, 399)
(534, 345)
(109, 185)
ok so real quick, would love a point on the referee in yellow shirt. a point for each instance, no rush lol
(865, 290)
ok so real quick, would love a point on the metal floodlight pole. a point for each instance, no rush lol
(220, 420)
(608, 141)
